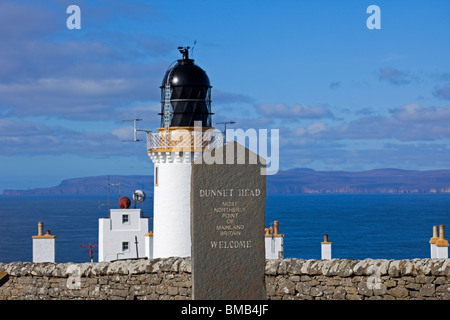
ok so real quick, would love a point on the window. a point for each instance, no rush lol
(125, 218)
(125, 246)
(156, 175)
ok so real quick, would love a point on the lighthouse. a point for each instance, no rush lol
(185, 131)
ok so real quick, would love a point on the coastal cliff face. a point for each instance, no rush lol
(295, 181)
(379, 181)
(170, 279)
(89, 186)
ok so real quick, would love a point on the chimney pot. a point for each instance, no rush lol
(441, 241)
(40, 228)
(276, 227)
(442, 232)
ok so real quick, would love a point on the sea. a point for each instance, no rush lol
(360, 226)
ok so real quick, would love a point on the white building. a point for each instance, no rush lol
(274, 242)
(325, 248)
(149, 245)
(43, 245)
(122, 235)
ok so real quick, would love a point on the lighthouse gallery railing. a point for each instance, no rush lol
(184, 140)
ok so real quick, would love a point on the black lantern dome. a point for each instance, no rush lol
(185, 94)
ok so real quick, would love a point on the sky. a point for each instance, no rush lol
(343, 96)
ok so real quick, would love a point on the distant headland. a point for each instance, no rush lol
(293, 181)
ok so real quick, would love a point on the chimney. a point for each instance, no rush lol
(274, 242)
(40, 228)
(433, 241)
(442, 240)
(43, 245)
(276, 228)
(442, 244)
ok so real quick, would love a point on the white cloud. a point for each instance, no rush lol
(47, 71)
(123, 133)
(312, 130)
(27, 137)
(419, 114)
(411, 122)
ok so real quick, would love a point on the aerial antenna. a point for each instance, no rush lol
(136, 130)
(109, 193)
(90, 246)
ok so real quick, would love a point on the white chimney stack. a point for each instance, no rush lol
(433, 241)
(442, 244)
(43, 245)
(326, 248)
(274, 242)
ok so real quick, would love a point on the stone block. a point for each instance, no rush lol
(227, 227)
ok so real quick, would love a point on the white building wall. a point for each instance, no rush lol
(44, 250)
(113, 232)
(326, 250)
(433, 250)
(442, 252)
(149, 246)
(274, 247)
(172, 204)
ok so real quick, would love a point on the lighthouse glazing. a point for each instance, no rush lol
(185, 132)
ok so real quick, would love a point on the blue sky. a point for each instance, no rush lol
(344, 97)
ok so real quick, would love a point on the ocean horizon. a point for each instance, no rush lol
(360, 226)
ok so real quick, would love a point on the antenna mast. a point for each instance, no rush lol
(134, 127)
(135, 131)
(90, 246)
(109, 194)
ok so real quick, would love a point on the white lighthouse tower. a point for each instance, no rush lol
(186, 130)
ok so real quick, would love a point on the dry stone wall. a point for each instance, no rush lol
(170, 279)
(342, 279)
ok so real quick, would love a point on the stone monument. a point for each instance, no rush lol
(227, 225)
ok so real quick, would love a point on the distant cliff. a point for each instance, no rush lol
(123, 185)
(373, 181)
(292, 181)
